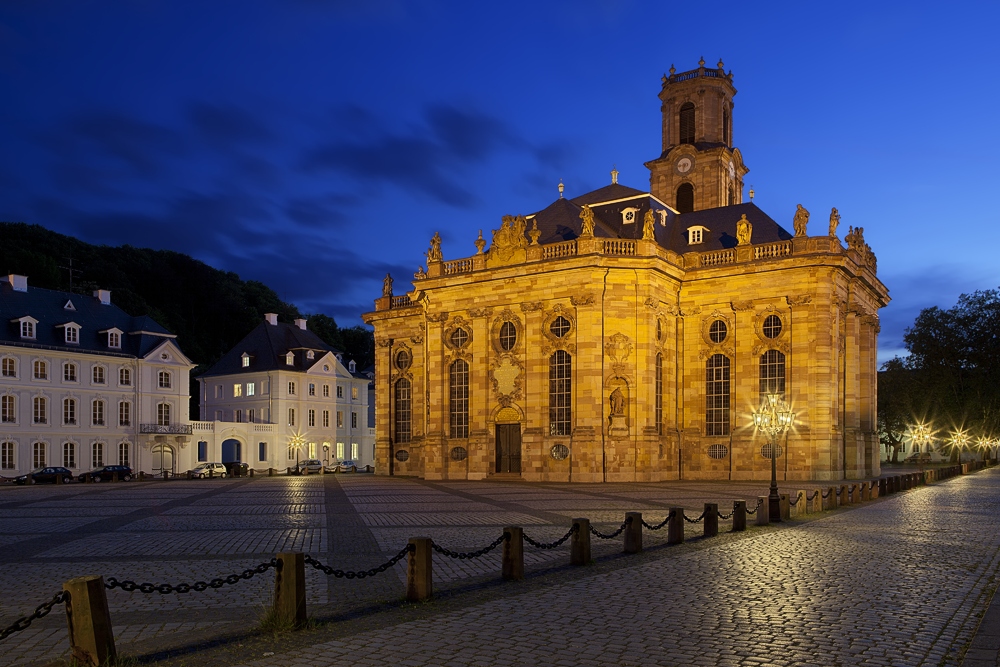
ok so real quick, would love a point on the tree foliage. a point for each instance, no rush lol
(952, 374)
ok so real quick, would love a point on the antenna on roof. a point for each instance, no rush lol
(69, 269)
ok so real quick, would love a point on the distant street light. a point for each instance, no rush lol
(958, 441)
(773, 418)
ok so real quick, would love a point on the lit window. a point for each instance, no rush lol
(8, 409)
(163, 379)
(72, 334)
(97, 413)
(69, 455)
(69, 411)
(41, 370)
(114, 340)
(250, 388)
(9, 368)
(163, 414)
(237, 390)
(8, 455)
(772, 373)
(98, 375)
(39, 409)
(38, 455)
(289, 359)
(27, 329)
(246, 361)
(125, 377)
(69, 372)
(560, 393)
(124, 413)
(312, 450)
(354, 451)
(340, 451)
(354, 393)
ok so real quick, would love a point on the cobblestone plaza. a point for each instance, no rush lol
(900, 581)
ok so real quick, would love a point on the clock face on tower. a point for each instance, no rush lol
(684, 165)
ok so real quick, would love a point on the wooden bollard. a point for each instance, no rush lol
(633, 532)
(419, 574)
(114, 477)
(828, 501)
(512, 566)
(801, 506)
(290, 590)
(579, 545)
(866, 492)
(711, 519)
(59, 479)
(270, 472)
(165, 475)
(739, 515)
(252, 472)
(763, 511)
(675, 527)
(816, 503)
(783, 506)
(91, 637)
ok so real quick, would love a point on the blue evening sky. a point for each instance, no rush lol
(315, 145)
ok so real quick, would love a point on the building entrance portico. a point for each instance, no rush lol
(232, 451)
(162, 459)
(508, 440)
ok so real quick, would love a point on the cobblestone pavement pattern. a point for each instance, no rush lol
(901, 581)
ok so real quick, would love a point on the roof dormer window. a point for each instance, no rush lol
(114, 338)
(696, 234)
(289, 359)
(69, 306)
(28, 328)
(310, 355)
(245, 360)
(351, 366)
(628, 215)
(72, 334)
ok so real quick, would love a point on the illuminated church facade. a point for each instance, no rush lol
(624, 335)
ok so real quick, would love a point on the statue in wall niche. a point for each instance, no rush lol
(834, 221)
(647, 226)
(800, 220)
(617, 420)
(434, 254)
(744, 229)
(587, 215)
(387, 285)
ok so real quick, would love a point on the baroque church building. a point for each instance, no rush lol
(625, 335)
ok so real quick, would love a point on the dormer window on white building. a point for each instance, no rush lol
(72, 334)
(114, 340)
(310, 355)
(245, 360)
(352, 365)
(290, 359)
(28, 328)
(696, 234)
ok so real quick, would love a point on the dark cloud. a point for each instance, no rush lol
(227, 124)
(321, 212)
(113, 138)
(430, 159)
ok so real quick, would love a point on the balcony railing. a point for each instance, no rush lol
(166, 429)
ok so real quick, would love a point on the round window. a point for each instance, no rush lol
(402, 455)
(559, 327)
(459, 337)
(403, 360)
(459, 453)
(559, 452)
(718, 451)
(772, 326)
(508, 336)
(765, 451)
(717, 332)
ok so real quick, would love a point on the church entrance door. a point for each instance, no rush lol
(508, 448)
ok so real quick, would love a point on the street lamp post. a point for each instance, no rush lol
(773, 418)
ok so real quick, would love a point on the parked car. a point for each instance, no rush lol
(237, 468)
(203, 469)
(107, 473)
(46, 475)
(347, 466)
(310, 467)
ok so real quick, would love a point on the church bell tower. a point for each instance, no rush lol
(698, 167)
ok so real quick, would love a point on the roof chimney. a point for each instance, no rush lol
(300, 323)
(271, 318)
(19, 283)
(104, 296)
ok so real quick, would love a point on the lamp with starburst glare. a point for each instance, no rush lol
(774, 417)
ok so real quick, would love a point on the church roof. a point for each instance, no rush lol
(619, 212)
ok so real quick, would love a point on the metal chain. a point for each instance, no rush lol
(613, 535)
(796, 500)
(809, 498)
(551, 545)
(129, 586)
(472, 554)
(828, 492)
(661, 524)
(40, 611)
(361, 574)
(698, 520)
(726, 517)
(753, 511)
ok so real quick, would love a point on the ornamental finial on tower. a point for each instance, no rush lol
(721, 65)
(672, 69)
(701, 61)
(561, 188)
(614, 174)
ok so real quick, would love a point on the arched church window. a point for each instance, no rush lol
(658, 391)
(685, 198)
(717, 395)
(402, 411)
(686, 123)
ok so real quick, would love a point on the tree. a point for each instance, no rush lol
(895, 407)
